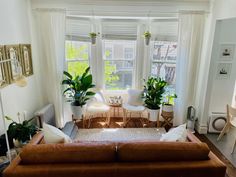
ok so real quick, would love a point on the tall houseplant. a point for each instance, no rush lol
(78, 91)
(20, 133)
(154, 89)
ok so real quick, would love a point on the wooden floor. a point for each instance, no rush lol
(136, 123)
(231, 170)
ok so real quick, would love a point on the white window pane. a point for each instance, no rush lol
(119, 58)
(164, 62)
(77, 50)
(119, 49)
(165, 50)
(77, 56)
(118, 75)
(129, 53)
(77, 67)
(165, 70)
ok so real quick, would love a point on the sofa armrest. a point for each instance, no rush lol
(47, 115)
(11, 168)
(218, 163)
(37, 139)
(192, 138)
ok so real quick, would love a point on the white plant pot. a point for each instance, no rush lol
(18, 144)
(154, 114)
(147, 40)
(93, 40)
(168, 108)
(77, 111)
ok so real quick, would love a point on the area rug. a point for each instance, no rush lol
(120, 134)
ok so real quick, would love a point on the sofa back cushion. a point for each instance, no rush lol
(68, 153)
(162, 151)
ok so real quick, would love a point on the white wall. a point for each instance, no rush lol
(15, 29)
(220, 9)
(222, 89)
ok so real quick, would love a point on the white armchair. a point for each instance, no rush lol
(133, 105)
(97, 106)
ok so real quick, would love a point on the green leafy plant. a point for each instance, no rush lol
(147, 34)
(154, 89)
(21, 131)
(93, 35)
(78, 87)
(169, 98)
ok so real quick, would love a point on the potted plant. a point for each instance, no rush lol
(153, 91)
(78, 91)
(169, 102)
(93, 37)
(21, 133)
(147, 36)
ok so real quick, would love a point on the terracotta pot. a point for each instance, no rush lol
(77, 111)
(154, 114)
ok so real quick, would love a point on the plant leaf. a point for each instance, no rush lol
(67, 74)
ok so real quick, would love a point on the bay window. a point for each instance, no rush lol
(114, 64)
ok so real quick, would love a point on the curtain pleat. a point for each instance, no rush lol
(51, 48)
(191, 28)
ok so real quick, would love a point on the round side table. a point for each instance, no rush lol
(116, 108)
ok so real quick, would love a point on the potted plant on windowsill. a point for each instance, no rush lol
(153, 90)
(147, 36)
(21, 133)
(78, 91)
(93, 37)
(169, 102)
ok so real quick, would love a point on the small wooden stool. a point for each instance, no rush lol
(168, 117)
(76, 120)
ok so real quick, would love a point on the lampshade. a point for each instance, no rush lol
(21, 81)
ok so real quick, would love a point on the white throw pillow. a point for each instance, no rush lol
(135, 97)
(54, 135)
(176, 134)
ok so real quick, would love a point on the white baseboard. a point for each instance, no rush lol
(201, 129)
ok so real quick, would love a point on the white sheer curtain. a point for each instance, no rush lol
(189, 52)
(143, 61)
(51, 48)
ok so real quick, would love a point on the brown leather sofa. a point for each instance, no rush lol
(116, 159)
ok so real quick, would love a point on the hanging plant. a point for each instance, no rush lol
(93, 37)
(147, 36)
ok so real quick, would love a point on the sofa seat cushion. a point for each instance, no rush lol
(69, 153)
(162, 151)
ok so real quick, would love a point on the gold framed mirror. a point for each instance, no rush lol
(13, 52)
(26, 56)
(4, 76)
